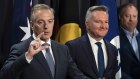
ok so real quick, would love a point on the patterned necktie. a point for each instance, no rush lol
(50, 61)
(100, 59)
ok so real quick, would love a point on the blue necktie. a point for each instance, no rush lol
(100, 59)
(50, 61)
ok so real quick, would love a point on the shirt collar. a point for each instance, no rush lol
(93, 41)
(129, 33)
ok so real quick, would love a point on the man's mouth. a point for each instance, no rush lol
(46, 32)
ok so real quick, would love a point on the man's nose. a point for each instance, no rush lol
(103, 25)
(132, 18)
(45, 25)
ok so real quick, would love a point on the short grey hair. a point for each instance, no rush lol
(38, 7)
(95, 8)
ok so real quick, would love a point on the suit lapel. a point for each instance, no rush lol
(138, 41)
(126, 44)
(89, 53)
(56, 57)
(41, 59)
(109, 56)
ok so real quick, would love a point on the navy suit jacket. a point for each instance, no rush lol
(130, 65)
(16, 67)
(82, 54)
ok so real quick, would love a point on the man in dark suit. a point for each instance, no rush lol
(129, 41)
(85, 52)
(39, 57)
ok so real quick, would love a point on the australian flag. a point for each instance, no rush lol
(113, 32)
(20, 23)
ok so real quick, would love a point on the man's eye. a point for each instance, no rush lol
(40, 23)
(127, 16)
(96, 21)
(106, 21)
(135, 16)
(50, 21)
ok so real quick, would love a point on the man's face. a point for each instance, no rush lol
(129, 19)
(97, 26)
(44, 22)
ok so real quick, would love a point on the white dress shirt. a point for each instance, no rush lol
(95, 50)
(133, 41)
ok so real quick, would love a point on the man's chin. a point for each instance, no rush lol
(44, 38)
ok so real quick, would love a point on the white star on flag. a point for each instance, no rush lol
(26, 30)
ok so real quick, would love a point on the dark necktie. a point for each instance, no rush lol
(100, 59)
(50, 61)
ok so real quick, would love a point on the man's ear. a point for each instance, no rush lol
(87, 24)
(31, 25)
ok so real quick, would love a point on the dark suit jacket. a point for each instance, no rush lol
(82, 54)
(130, 65)
(16, 67)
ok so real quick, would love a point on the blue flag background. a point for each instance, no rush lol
(20, 14)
